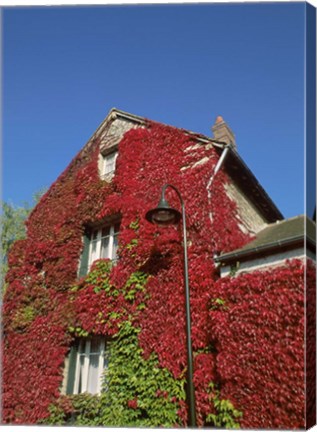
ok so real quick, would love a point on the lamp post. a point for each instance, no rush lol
(163, 214)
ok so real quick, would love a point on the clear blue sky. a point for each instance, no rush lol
(64, 68)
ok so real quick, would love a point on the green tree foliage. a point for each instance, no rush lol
(12, 228)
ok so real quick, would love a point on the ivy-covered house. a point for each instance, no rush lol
(94, 316)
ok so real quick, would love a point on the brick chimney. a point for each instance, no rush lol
(222, 132)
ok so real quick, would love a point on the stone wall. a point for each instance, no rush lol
(251, 220)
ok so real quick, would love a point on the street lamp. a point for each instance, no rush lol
(163, 214)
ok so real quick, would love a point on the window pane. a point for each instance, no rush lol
(81, 385)
(93, 373)
(115, 247)
(110, 158)
(104, 248)
(95, 345)
(71, 373)
(94, 234)
(105, 231)
(109, 163)
(81, 346)
(116, 228)
(94, 255)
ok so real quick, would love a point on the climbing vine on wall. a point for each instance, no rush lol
(258, 332)
(137, 392)
(139, 303)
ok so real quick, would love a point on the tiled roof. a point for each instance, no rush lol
(281, 234)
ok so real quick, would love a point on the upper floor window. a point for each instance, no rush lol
(85, 365)
(99, 243)
(108, 165)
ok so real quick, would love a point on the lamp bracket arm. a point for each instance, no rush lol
(176, 190)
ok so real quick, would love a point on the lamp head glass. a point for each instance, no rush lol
(163, 214)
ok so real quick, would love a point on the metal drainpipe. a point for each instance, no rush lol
(217, 168)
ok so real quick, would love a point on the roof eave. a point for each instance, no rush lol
(243, 176)
(273, 247)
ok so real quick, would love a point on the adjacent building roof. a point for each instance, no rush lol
(280, 235)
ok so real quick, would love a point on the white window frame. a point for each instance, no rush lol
(108, 165)
(82, 372)
(96, 254)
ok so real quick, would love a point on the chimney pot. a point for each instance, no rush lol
(219, 119)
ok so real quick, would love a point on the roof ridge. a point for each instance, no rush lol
(281, 221)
